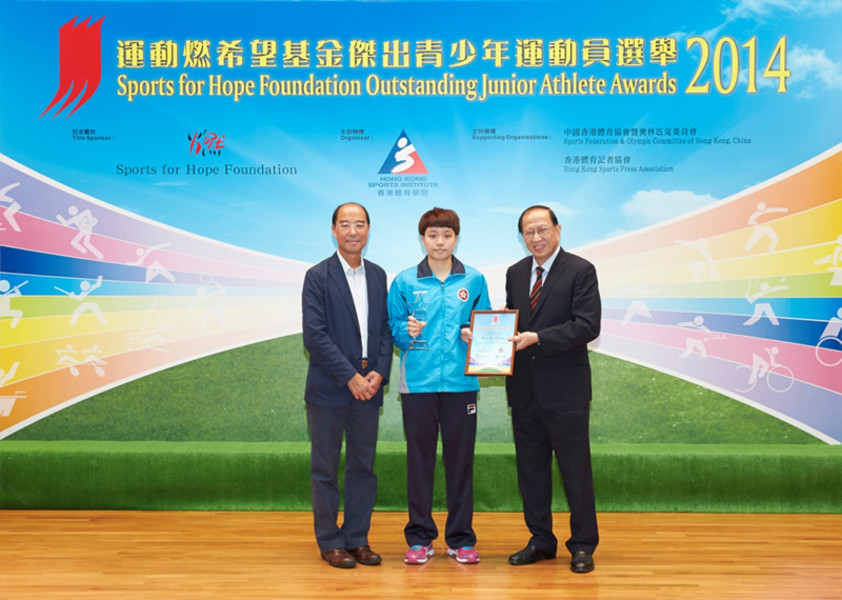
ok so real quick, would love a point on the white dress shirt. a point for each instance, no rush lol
(546, 266)
(359, 292)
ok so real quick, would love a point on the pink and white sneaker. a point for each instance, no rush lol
(418, 555)
(465, 554)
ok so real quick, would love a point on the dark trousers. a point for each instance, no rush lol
(455, 415)
(538, 433)
(358, 422)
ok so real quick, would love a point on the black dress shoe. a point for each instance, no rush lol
(530, 554)
(582, 562)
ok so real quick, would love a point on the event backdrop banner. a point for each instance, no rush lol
(168, 171)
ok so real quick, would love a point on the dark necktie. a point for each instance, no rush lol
(536, 289)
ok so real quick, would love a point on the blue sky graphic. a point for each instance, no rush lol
(487, 182)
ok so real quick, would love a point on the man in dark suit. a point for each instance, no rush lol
(346, 331)
(557, 297)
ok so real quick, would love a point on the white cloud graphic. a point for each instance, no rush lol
(811, 64)
(506, 210)
(802, 8)
(559, 209)
(653, 206)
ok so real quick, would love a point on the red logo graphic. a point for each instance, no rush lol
(79, 63)
(463, 294)
(206, 142)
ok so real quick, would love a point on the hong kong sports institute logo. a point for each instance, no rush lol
(79, 64)
(403, 159)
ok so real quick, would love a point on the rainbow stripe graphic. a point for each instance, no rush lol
(93, 296)
(742, 296)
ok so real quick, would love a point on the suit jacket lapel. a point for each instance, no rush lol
(520, 292)
(373, 291)
(338, 276)
(550, 280)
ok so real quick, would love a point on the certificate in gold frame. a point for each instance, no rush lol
(489, 351)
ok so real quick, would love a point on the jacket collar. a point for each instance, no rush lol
(424, 269)
(550, 277)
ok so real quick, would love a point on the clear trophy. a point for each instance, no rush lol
(419, 311)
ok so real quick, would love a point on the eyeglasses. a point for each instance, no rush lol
(541, 231)
(349, 225)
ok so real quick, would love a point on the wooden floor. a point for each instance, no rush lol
(233, 555)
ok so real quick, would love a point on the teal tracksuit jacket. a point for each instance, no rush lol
(448, 307)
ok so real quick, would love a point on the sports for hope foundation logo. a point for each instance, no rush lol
(80, 64)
